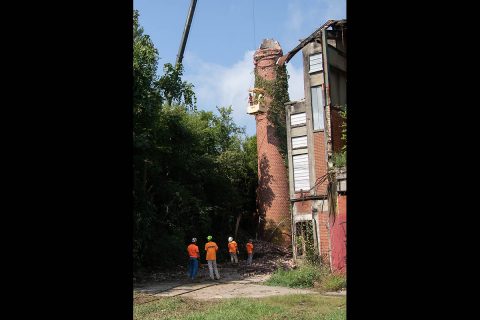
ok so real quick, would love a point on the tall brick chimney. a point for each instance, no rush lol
(273, 192)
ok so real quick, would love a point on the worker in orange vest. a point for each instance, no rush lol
(211, 248)
(249, 251)
(194, 256)
(233, 250)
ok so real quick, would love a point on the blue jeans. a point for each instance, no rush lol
(192, 267)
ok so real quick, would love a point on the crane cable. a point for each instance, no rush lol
(253, 10)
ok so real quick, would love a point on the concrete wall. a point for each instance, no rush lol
(331, 231)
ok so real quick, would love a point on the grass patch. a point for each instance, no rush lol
(308, 276)
(302, 277)
(333, 282)
(294, 307)
(168, 308)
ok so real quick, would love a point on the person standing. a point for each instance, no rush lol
(211, 248)
(249, 251)
(233, 250)
(194, 256)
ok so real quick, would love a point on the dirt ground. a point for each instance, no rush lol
(266, 259)
(235, 281)
(231, 285)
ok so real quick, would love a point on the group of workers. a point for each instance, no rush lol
(211, 249)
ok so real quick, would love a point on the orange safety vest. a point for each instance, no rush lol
(211, 248)
(249, 247)
(193, 251)
(232, 247)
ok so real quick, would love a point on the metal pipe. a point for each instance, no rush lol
(318, 226)
(181, 50)
(328, 146)
(320, 197)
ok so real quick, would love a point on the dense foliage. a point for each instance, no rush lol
(277, 89)
(195, 172)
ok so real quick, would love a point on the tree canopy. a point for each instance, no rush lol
(195, 172)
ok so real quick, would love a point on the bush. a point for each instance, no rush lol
(302, 277)
(308, 276)
(339, 159)
(333, 282)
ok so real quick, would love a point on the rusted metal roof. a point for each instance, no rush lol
(316, 34)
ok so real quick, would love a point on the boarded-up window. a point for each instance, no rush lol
(316, 62)
(301, 178)
(317, 108)
(298, 119)
(299, 142)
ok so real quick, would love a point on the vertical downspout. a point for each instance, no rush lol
(294, 233)
(328, 149)
(318, 227)
(291, 204)
(314, 229)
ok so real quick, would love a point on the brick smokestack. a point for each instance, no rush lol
(273, 193)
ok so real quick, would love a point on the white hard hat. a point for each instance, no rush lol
(230, 239)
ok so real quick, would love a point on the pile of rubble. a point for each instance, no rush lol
(267, 258)
(160, 276)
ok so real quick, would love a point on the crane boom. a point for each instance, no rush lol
(186, 30)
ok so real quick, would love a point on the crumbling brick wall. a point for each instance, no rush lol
(272, 193)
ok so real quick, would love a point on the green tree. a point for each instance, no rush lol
(194, 171)
(174, 89)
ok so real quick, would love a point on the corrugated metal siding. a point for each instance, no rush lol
(301, 178)
(299, 142)
(316, 63)
(298, 118)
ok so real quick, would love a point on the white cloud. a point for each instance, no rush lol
(295, 82)
(217, 85)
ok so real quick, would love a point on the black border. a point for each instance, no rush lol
(69, 159)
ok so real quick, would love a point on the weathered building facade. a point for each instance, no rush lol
(317, 183)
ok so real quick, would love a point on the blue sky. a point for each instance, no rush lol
(223, 36)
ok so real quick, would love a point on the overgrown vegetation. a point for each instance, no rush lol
(195, 172)
(308, 276)
(313, 270)
(339, 159)
(343, 113)
(301, 277)
(296, 307)
(277, 89)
